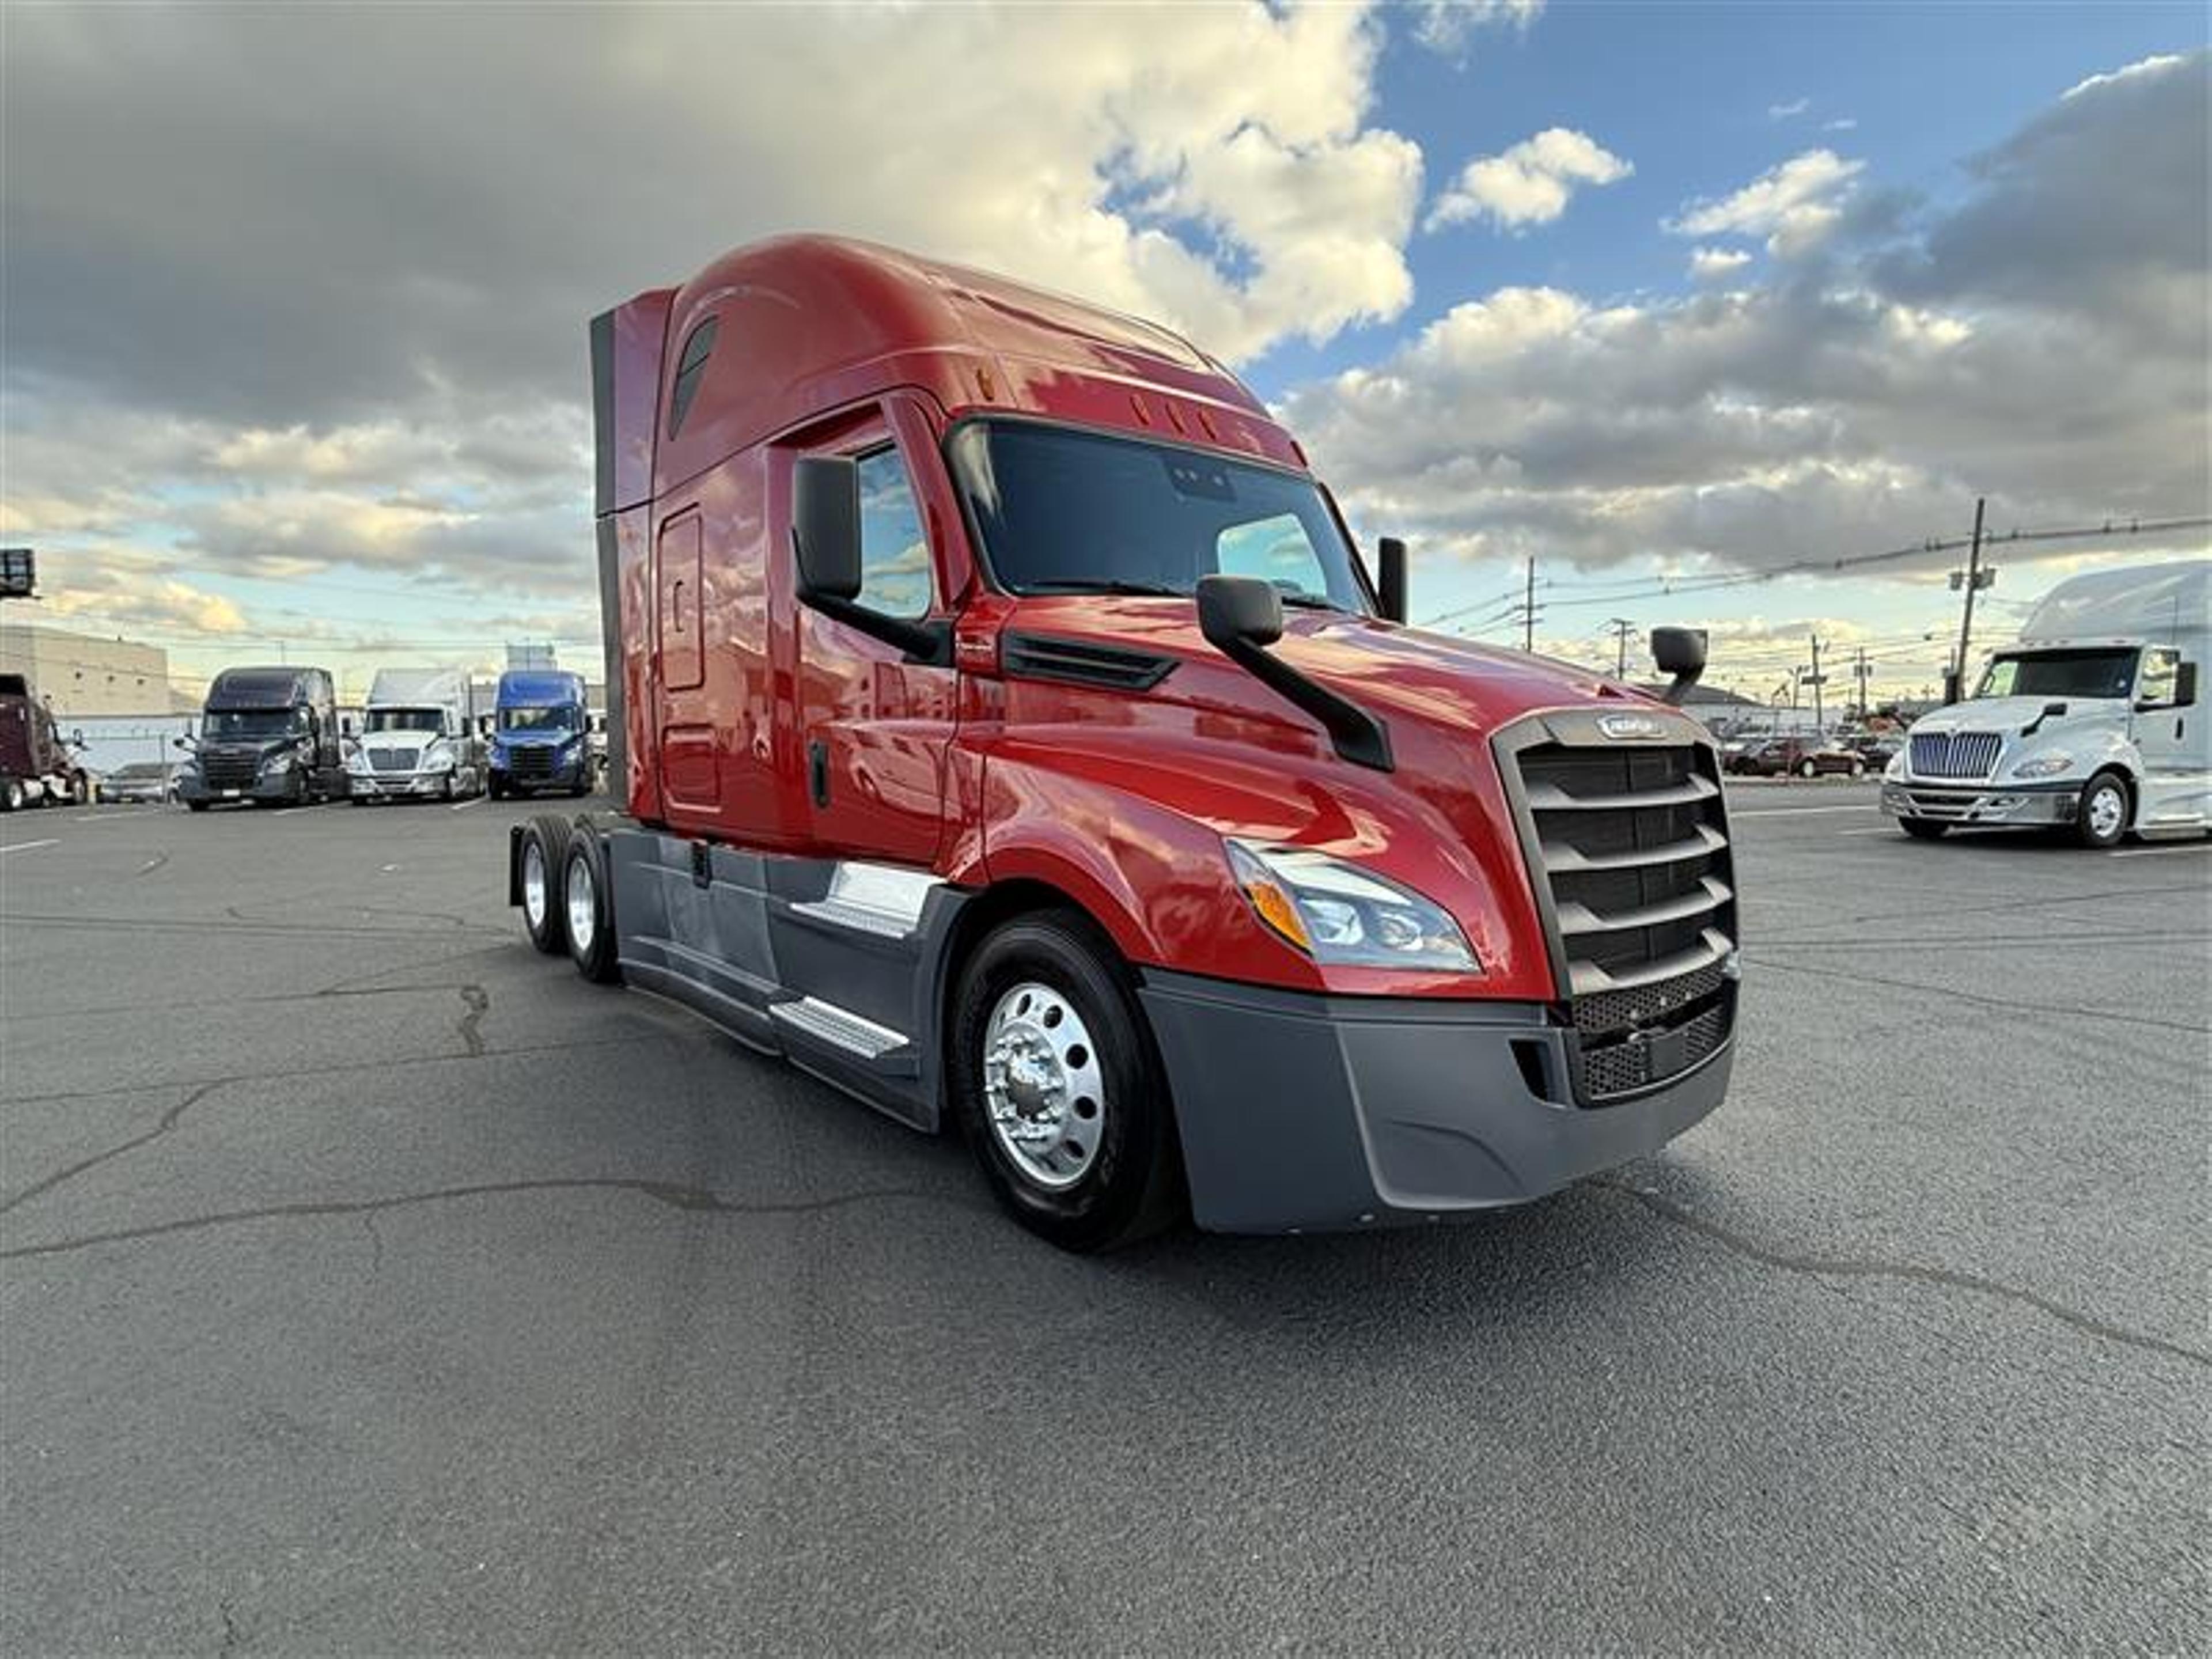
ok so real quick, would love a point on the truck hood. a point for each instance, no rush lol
(2010, 715)
(1394, 672)
(255, 752)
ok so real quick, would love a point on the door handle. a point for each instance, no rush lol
(818, 771)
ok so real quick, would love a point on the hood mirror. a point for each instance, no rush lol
(1390, 564)
(1241, 617)
(1679, 653)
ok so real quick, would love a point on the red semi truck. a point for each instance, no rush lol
(1009, 735)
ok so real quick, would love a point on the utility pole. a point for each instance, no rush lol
(1974, 581)
(1820, 720)
(1622, 629)
(1862, 672)
(1528, 609)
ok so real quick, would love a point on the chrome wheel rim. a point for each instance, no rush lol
(1044, 1091)
(583, 916)
(533, 885)
(2106, 811)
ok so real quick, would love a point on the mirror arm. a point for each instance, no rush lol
(1359, 737)
(928, 644)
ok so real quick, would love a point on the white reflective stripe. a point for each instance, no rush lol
(874, 898)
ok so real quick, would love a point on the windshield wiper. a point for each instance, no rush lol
(1110, 584)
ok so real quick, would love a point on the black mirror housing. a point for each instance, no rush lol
(1680, 652)
(1239, 609)
(1390, 571)
(825, 527)
(2184, 685)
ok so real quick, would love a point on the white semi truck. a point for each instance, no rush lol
(419, 739)
(2092, 721)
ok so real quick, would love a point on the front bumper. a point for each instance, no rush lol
(1299, 1111)
(279, 787)
(396, 786)
(2020, 806)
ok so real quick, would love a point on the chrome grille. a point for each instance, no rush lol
(392, 760)
(1954, 754)
(1630, 843)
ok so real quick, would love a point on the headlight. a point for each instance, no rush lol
(1896, 766)
(279, 762)
(1337, 912)
(2044, 766)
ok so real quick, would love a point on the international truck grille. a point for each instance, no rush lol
(230, 771)
(1954, 754)
(392, 760)
(1629, 841)
(530, 762)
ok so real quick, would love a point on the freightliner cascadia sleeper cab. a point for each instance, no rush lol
(541, 735)
(266, 735)
(1009, 735)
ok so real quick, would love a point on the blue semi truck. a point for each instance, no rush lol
(541, 740)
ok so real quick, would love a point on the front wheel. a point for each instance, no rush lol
(1858, 769)
(2103, 818)
(545, 856)
(12, 796)
(1807, 769)
(1922, 828)
(1057, 1084)
(497, 787)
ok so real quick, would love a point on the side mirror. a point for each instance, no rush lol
(345, 727)
(2185, 686)
(825, 544)
(825, 527)
(1679, 653)
(1241, 617)
(1239, 609)
(1390, 562)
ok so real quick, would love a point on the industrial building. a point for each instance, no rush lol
(82, 674)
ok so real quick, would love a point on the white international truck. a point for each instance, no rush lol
(419, 739)
(2092, 721)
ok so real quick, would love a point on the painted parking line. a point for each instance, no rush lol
(1884, 830)
(1795, 811)
(464, 806)
(2161, 852)
(28, 846)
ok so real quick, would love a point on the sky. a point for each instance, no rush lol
(1685, 304)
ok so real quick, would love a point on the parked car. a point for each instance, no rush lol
(1804, 757)
(1876, 749)
(140, 782)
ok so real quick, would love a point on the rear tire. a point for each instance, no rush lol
(1922, 828)
(544, 855)
(588, 910)
(1858, 769)
(2102, 818)
(1026, 991)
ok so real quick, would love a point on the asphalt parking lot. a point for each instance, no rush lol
(370, 1283)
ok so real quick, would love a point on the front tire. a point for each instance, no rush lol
(1858, 769)
(2102, 818)
(589, 911)
(1922, 828)
(544, 855)
(1807, 769)
(1056, 1082)
(12, 796)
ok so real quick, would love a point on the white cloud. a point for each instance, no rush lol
(2165, 63)
(1850, 404)
(1794, 107)
(1448, 26)
(1793, 205)
(1709, 263)
(1841, 123)
(1530, 183)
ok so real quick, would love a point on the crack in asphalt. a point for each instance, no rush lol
(349, 987)
(242, 925)
(2017, 1005)
(674, 1194)
(169, 1120)
(1829, 1267)
(477, 1001)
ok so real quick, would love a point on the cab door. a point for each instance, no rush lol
(875, 731)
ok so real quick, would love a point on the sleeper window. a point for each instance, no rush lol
(690, 369)
(894, 551)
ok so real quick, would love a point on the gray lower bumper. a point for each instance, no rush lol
(397, 786)
(1307, 1112)
(2024, 805)
(261, 789)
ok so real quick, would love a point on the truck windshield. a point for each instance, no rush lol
(405, 719)
(565, 718)
(2103, 673)
(1067, 511)
(254, 722)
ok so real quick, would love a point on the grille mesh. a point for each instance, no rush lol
(1954, 754)
(1622, 1068)
(230, 771)
(392, 760)
(537, 762)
